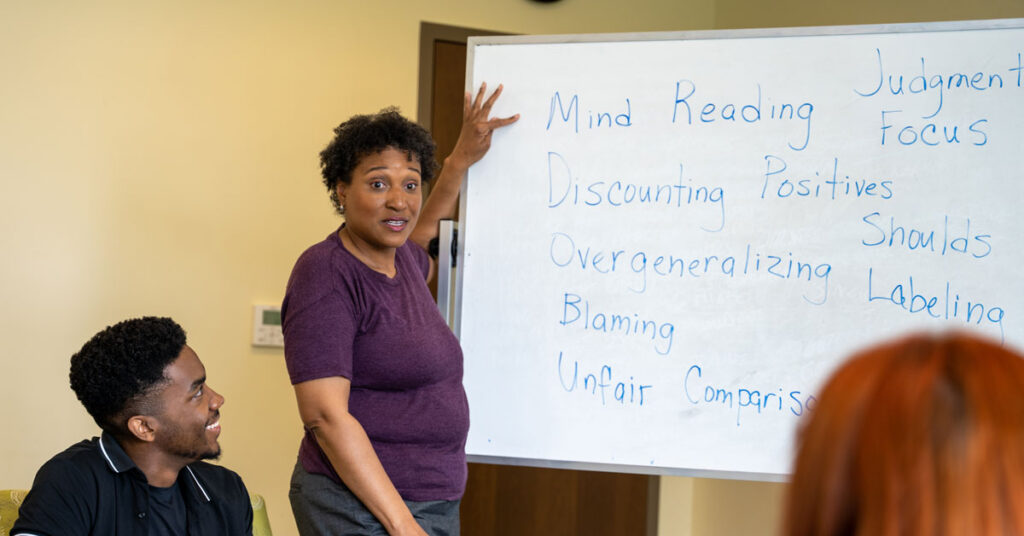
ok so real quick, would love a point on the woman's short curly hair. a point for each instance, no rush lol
(363, 135)
(115, 371)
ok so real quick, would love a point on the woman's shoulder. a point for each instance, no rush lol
(319, 265)
(325, 256)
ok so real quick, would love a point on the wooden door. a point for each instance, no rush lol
(505, 500)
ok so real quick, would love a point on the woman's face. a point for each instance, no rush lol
(383, 200)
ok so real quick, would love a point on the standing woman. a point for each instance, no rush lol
(376, 371)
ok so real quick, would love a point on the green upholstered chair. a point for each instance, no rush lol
(260, 521)
(10, 501)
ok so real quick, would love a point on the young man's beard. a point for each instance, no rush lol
(191, 446)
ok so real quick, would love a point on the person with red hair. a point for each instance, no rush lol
(919, 436)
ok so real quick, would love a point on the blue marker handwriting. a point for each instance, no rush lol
(576, 312)
(602, 384)
(958, 240)
(940, 302)
(637, 265)
(925, 92)
(568, 112)
(781, 183)
(565, 189)
(929, 84)
(691, 110)
(929, 133)
(699, 390)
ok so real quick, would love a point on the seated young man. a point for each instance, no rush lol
(147, 391)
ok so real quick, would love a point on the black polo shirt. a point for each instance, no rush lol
(94, 488)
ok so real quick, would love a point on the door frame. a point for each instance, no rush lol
(430, 33)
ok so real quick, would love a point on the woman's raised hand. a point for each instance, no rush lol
(477, 127)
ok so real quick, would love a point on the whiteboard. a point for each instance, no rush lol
(686, 232)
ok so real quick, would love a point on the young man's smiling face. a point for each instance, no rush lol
(189, 416)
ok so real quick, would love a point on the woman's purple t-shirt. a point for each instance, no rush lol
(341, 318)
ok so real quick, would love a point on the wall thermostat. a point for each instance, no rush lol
(266, 326)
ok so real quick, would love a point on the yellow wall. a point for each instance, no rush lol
(782, 13)
(160, 158)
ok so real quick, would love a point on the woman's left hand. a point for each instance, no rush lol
(477, 127)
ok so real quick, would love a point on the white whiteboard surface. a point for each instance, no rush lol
(733, 194)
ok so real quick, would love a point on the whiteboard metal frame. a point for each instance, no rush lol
(631, 469)
(446, 235)
(747, 33)
(800, 31)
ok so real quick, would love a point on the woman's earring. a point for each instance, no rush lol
(341, 209)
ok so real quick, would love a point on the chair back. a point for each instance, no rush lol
(10, 501)
(260, 521)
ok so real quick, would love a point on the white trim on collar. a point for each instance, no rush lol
(103, 449)
(196, 480)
